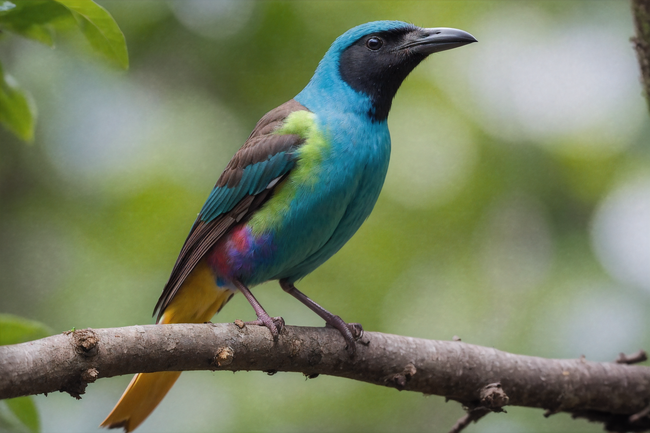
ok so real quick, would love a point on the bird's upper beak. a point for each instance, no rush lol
(429, 41)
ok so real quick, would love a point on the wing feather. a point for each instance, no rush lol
(245, 184)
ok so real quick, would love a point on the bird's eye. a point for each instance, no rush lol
(374, 43)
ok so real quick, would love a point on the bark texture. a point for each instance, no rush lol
(641, 11)
(478, 377)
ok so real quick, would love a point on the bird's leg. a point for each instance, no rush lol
(349, 331)
(275, 324)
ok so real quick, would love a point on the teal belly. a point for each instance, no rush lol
(311, 217)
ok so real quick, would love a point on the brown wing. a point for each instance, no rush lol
(261, 145)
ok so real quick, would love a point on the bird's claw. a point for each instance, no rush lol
(274, 324)
(356, 330)
(279, 323)
(351, 332)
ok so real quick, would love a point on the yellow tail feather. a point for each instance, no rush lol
(197, 301)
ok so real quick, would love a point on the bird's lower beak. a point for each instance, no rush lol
(429, 41)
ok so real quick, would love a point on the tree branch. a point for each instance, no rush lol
(478, 377)
(641, 12)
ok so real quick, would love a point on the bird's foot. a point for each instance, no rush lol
(350, 332)
(274, 324)
(355, 329)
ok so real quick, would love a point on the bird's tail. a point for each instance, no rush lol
(197, 301)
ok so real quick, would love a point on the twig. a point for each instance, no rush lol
(492, 399)
(634, 419)
(635, 358)
(471, 416)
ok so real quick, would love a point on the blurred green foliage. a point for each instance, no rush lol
(19, 415)
(514, 214)
(39, 20)
(15, 329)
(17, 111)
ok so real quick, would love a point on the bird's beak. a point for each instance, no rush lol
(429, 41)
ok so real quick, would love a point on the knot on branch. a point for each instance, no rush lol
(493, 397)
(400, 380)
(90, 375)
(76, 386)
(223, 357)
(85, 342)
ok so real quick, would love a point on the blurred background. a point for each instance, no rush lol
(515, 214)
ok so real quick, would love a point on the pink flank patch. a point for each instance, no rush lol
(228, 248)
(238, 239)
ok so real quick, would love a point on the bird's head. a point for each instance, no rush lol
(374, 58)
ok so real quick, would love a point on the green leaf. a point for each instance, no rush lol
(35, 19)
(16, 329)
(24, 409)
(6, 6)
(17, 109)
(101, 30)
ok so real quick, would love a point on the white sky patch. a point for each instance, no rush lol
(621, 232)
(516, 245)
(121, 131)
(432, 156)
(213, 19)
(568, 85)
(599, 323)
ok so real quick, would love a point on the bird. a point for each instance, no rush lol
(297, 190)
